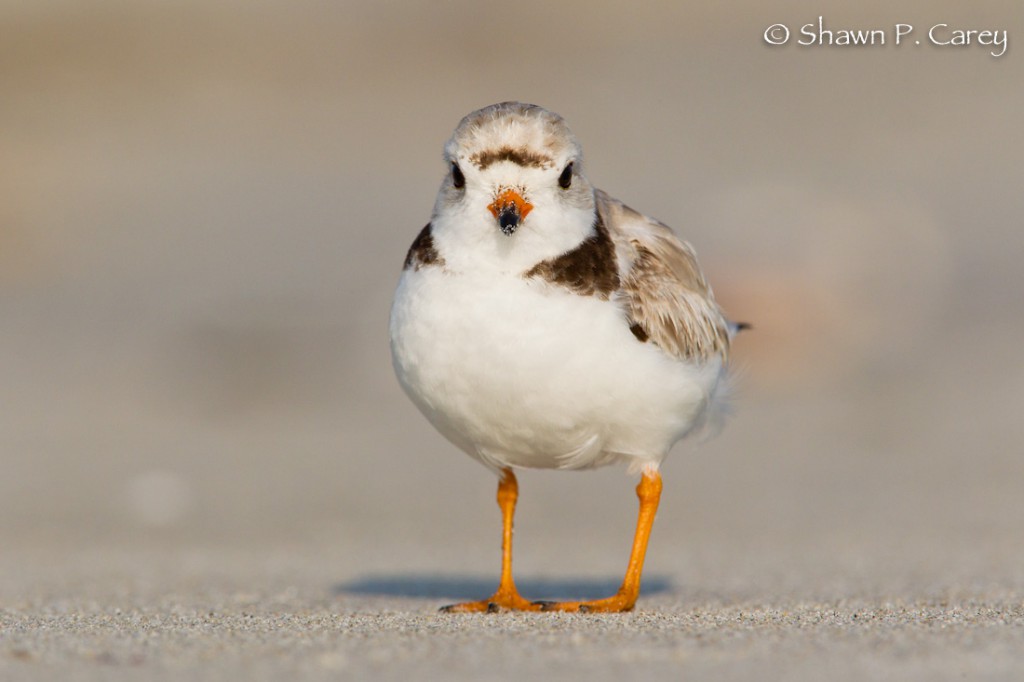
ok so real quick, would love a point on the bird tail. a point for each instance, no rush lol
(736, 327)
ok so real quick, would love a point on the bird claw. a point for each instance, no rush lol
(560, 606)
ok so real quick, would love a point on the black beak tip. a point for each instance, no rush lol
(508, 220)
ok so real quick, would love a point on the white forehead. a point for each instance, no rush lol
(529, 134)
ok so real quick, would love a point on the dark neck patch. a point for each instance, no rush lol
(422, 252)
(588, 270)
(521, 156)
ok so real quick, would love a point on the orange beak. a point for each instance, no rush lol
(509, 208)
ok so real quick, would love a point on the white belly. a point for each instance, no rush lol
(520, 373)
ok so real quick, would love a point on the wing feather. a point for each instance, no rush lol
(663, 290)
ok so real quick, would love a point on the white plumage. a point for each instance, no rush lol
(521, 373)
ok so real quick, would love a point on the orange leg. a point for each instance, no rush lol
(507, 597)
(649, 492)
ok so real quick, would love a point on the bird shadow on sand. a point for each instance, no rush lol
(463, 587)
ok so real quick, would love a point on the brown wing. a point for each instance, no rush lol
(663, 290)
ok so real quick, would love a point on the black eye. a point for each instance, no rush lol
(565, 179)
(458, 179)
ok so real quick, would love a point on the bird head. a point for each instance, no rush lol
(514, 187)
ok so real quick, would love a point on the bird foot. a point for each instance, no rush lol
(618, 603)
(500, 601)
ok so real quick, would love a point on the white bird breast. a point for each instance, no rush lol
(517, 372)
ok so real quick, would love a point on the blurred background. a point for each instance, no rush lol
(204, 208)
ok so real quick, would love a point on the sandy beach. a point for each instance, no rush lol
(210, 472)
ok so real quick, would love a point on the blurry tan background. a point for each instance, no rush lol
(203, 212)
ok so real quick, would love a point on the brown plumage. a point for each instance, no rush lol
(663, 290)
(652, 273)
(521, 156)
(589, 270)
(422, 251)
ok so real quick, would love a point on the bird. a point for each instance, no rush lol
(540, 323)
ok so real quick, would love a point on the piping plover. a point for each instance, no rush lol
(540, 323)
